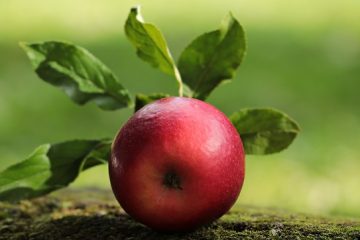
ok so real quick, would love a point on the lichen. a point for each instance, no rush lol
(93, 214)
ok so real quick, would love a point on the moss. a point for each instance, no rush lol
(93, 214)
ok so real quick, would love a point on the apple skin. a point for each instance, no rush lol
(177, 163)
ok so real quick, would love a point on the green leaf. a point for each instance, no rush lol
(150, 45)
(264, 131)
(142, 99)
(51, 167)
(78, 73)
(212, 58)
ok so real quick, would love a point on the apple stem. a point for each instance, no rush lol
(178, 78)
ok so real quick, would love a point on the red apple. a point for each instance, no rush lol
(177, 163)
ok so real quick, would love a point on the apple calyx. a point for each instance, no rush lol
(172, 180)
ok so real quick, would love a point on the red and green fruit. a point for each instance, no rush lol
(177, 163)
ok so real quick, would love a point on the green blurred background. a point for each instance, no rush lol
(303, 58)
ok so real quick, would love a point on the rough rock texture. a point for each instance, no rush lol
(93, 214)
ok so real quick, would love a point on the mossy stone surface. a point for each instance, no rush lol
(93, 214)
